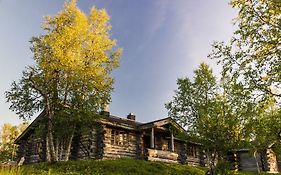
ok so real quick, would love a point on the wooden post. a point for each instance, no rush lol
(172, 143)
(152, 138)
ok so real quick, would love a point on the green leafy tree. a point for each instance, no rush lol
(215, 113)
(252, 60)
(71, 79)
(254, 51)
(195, 106)
(8, 135)
(193, 99)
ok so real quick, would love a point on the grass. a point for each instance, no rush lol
(108, 167)
(10, 171)
(105, 167)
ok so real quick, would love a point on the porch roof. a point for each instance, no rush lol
(162, 122)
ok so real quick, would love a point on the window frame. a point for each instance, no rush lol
(119, 138)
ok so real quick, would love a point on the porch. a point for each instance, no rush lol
(162, 156)
(159, 145)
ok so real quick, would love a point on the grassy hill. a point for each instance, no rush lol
(107, 167)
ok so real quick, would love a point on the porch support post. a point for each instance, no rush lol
(172, 142)
(152, 138)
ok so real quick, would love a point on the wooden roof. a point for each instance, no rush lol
(162, 122)
(31, 127)
(110, 120)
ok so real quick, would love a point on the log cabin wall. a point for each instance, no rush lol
(272, 163)
(193, 156)
(180, 149)
(84, 145)
(140, 145)
(32, 149)
(88, 144)
(247, 162)
(115, 137)
(161, 143)
(119, 143)
(21, 152)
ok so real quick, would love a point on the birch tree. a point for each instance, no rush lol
(8, 135)
(71, 79)
(215, 113)
(252, 59)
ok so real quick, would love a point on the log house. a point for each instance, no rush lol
(117, 138)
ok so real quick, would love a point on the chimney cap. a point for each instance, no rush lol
(131, 116)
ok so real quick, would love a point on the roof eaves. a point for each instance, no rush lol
(30, 127)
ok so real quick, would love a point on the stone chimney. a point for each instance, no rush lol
(105, 110)
(131, 116)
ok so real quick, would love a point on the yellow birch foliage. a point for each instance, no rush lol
(77, 48)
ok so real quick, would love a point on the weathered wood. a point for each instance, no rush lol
(119, 125)
(271, 161)
(161, 128)
(167, 155)
(128, 149)
(172, 142)
(114, 137)
(247, 162)
(180, 149)
(157, 123)
(152, 145)
(193, 161)
(20, 163)
(161, 160)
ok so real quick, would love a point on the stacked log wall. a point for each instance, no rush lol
(85, 145)
(140, 151)
(247, 162)
(30, 151)
(195, 160)
(272, 163)
(180, 149)
(21, 149)
(112, 151)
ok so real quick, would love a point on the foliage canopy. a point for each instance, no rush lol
(71, 79)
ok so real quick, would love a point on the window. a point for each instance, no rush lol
(38, 147)
(191, 151)
(119, 138)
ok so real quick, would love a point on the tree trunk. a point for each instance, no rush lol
(57, 149)
(61, 151)
(68, 145)
(48, 154)
(50, 138)
(51, 141)
(257, 162)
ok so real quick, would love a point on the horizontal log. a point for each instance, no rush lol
(120, 125)
(162, 160)
(109, 155)
(120, 151)
(132, 154)
(162, 154)
(124, 148)
(192, 158)
(120, 146)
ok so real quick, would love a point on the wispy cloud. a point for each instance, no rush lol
(156, 19)
(159, 16)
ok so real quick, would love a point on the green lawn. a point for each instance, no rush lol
(108, 167)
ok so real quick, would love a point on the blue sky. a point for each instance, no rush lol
(162, 40)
